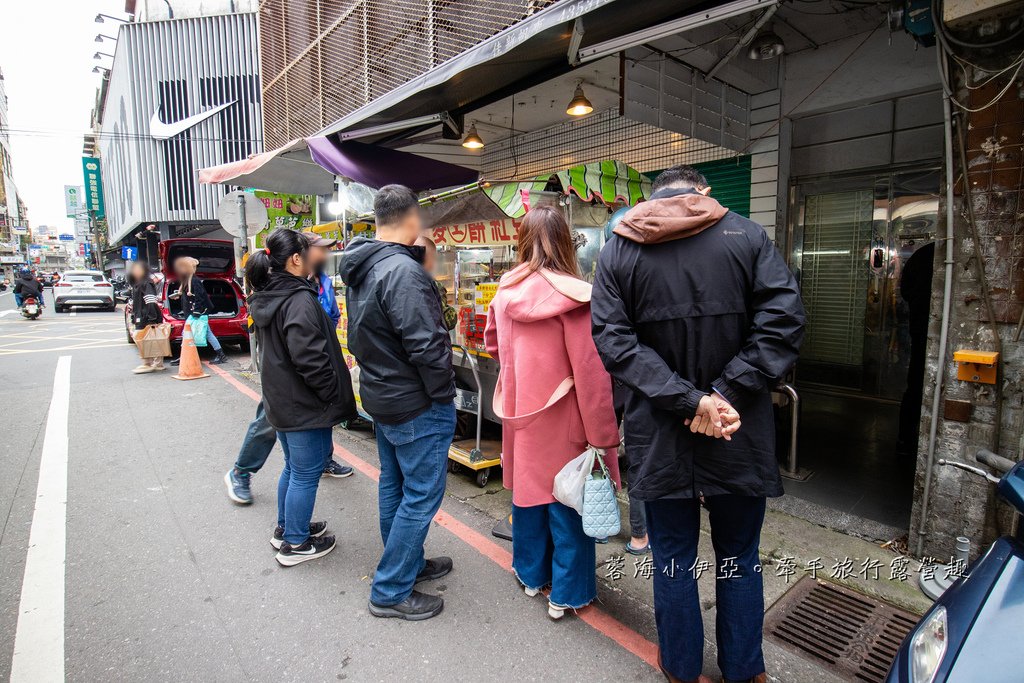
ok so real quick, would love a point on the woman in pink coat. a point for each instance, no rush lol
(554, 398)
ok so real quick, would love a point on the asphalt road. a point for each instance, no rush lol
(165, 579)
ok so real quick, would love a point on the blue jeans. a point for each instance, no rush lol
(305, 454)
(674, 527)
(549, 547)
(259, 441)
(413, 470)
(212, 341)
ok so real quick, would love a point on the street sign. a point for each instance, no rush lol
(66, 238)
(20, 229)
(93, 186)
(231, 210)
(73, 201)
(130, 253)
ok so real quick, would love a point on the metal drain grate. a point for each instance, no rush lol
(851, 634)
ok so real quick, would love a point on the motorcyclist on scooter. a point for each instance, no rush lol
(27, 285)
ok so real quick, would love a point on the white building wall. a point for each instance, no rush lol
(175, 70)
(157, 10)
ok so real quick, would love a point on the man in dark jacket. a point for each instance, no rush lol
(406, 383)
(696, 313)
(27, 285)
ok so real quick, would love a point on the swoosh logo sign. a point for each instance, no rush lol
(158, 130)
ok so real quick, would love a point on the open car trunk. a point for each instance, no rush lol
(222, 294)
(216, 257)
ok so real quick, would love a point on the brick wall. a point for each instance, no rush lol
(961, 503)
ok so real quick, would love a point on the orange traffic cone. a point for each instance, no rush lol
(189, 367)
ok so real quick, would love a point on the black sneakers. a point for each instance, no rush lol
(435, 568)
(289, 555)
(417, 607)
(316, 530)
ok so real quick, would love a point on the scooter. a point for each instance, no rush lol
(122, 290)
(30, 307)
(972, 632)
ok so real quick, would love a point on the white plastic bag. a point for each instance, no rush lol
(570, 480)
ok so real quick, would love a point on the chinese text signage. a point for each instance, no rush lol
(478, 233)
(93, 186)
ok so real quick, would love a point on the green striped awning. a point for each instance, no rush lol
(509, 196)
(610, 181)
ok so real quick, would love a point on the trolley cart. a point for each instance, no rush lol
(473, 453)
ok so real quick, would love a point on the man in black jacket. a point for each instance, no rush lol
(27, 285)
(406, 383)
(696, 313)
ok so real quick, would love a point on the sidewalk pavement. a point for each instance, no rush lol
(790, 549)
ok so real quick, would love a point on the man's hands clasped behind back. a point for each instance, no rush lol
(715, 417)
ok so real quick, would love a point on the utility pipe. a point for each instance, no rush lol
(947, 297)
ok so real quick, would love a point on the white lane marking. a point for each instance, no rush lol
(39, 638)
(4, 313)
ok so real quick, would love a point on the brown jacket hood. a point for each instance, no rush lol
(670, 215)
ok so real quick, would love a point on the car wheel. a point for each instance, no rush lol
(128, 330)
(58, 309)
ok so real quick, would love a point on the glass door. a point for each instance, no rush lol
(850, 241)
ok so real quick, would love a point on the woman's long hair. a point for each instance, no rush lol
(186, 267)
(279, 247)
(545, 241)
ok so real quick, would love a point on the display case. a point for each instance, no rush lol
(476, 273)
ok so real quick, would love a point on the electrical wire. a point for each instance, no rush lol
(941, 37)
(963, 64)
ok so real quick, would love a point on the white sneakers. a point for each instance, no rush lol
(154, 365)
(554, 611)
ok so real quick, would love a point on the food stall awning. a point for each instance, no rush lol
(309, 166)
(607, 181)
(289, 169)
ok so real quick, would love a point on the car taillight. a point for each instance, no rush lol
(63, 284)
(103, 284)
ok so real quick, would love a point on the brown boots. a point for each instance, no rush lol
(672, 679)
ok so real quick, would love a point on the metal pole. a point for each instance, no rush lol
(794, 425)
(244, 230)
(96, 240)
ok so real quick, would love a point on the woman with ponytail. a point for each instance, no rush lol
(306, 386)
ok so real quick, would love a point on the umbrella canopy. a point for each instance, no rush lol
(309, 166)
(289, 169)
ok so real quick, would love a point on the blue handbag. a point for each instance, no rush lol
(200, 325)
(600, 507)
